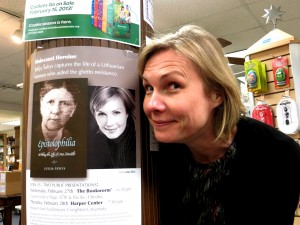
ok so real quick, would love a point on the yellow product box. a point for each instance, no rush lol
(10, 182)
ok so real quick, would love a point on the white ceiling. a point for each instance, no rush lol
(11, 62)
(239, 21)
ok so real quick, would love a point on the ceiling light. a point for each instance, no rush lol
(12, 123)
(20, 85)
(18, 34)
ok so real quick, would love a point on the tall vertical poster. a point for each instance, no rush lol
(83, 147)
(117, 20)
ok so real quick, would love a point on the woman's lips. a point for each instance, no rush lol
(161, 123)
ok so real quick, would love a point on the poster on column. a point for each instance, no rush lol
(117, 20)
(90, 97)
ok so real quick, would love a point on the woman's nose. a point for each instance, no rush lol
(154, 103)
(109, 121)
(55, 108)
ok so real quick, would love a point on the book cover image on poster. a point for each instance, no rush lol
(112, 17)
(111, 131)
(59, 128)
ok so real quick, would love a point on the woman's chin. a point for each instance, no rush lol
(165, 138)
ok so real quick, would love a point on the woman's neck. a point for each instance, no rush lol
(206, 152)
(52, 135)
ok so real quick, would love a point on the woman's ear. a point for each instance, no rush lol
(217, 98)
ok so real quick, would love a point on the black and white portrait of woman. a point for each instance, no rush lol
(112, 134)
(59, 119)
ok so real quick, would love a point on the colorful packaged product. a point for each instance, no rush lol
(112, 17)
(263, 112)
(255, 76)
(280, 72)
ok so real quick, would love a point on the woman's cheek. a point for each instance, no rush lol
(145, 103)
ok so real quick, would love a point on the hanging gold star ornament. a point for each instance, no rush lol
(273, 14)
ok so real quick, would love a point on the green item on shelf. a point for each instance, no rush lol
(256, 76)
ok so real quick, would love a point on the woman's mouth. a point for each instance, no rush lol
(161, 123)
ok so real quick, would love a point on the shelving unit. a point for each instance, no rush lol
(10, 152)
(289, 48)
(3, 141)
(266, 53)
(17, 145)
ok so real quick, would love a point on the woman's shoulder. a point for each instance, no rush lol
(257, 135)
(252, 127)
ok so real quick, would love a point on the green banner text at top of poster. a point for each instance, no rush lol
(78, 26)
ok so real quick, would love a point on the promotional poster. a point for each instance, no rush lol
(83, 149)
(116, 20)
(58, 147)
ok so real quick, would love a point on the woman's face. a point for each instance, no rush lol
(175, 103)
(57, 106)
(112, 118)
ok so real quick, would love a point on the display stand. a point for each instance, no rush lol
(278, 44)
(275, 44)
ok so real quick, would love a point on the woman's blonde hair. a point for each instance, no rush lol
(205, 51)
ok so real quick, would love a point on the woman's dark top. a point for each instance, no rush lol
(256, 182)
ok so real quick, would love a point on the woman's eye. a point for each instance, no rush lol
(116, 112)
(63, 103)
(100, 114)
(174, 85)
(50, 102)
(148, 88)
